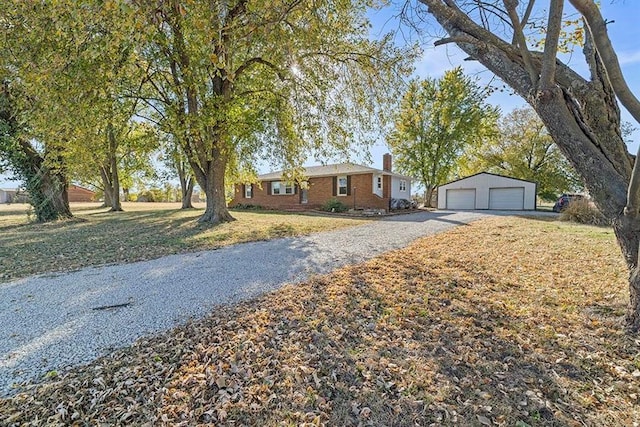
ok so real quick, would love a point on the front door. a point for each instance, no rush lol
(304, 196)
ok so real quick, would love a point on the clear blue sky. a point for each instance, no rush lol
(624, 33)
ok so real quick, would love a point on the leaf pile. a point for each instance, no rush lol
(504, 322)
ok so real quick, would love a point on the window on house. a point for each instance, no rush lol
(342, 186)
(281, 188)
(379, 182)
(403, 185)
(248, 191)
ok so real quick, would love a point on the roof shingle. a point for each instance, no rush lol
(332, 170)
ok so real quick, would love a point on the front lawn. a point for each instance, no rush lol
(505, 322)
(143, 231)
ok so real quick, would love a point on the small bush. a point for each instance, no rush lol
(396, 204)
(334, 205)
(146, 196)
(248, 207)
(583, 212)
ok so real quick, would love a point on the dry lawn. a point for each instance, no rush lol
(143, 231)
(505, 322)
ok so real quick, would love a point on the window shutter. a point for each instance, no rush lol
(348, 185)
(295, 188)
(335, 186)
(244, 191)
(269, 188)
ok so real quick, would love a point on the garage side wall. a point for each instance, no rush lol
(482, 183)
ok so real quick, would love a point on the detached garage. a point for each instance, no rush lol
(488, 191)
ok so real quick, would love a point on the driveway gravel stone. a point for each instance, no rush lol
(54, 322)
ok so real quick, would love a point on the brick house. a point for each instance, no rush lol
(80, 194)
(354, 185)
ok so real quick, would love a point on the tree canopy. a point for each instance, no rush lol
(234, 83)
(249, 80)
(437, 121)
(67, 67)
(524, 149)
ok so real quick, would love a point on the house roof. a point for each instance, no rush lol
(332, 170)
(486, 173)
(80, 187)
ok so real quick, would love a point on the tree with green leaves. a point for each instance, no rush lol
(70, 65)
(109, 164)
(248, 80)
(39, 44)
(581, 112)
(39, 167)
(437, 121)
(104, 97)
(524, 149)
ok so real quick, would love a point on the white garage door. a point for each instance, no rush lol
(461, 199)
(511, 199)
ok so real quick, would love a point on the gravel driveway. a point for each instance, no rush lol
(53, 322)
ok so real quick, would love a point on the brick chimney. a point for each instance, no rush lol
(386, 162)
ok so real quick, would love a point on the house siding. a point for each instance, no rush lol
(395, 189)
(321, 189)
(79, 194)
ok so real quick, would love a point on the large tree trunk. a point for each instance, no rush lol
(585, 126)
(186, 183)
(186, 187)
(107, 187)
(48, 195)
(428, 196)
(210, 177)
(633, 312)
(628, 235)
(47, 188)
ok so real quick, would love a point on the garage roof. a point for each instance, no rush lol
(487, 173)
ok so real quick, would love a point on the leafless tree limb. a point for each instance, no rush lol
(521, 41)
(527, 13)
(547, 74)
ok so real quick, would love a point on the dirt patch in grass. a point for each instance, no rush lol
(144, 231)
(502, 322)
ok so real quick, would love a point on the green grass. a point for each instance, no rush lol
(143, 231)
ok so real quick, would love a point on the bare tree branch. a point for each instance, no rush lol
(242, 68)
(527, 14)
(458, 39)
(598, 28)
(547, 74)
(518, 34)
